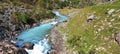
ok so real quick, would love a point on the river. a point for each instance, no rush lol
(36, 35)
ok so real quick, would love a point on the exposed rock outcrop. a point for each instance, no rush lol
(9, 48)
(9, 27)
(56, 41)
(28, 45)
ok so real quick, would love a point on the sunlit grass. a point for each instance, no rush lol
(85, 38)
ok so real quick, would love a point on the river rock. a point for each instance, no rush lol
(21, 51)
(52, 52)
(117, 37)
(1, 21)
(9, 48)
(1, 14)
(28, 45)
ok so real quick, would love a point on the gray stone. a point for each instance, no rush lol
(52, 52)
(21, 51)
(117, 37)
(111, 11)
(90, 18)
(9, 48)
(28, 45)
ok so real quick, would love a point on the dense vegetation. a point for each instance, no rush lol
(42, 9)
(96, 36)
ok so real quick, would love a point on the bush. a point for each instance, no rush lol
(22, 17)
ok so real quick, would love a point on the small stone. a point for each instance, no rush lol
(111, 11)
(112, 20)
(102, 27)
(114, 15)
(99, 30)
(117, 37)
(96, 32)
(95, 26)
(119, 15)
(110, 25)
(105, 38)
(90, 18)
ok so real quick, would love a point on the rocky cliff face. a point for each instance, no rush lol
(10, 25)
(10, 28)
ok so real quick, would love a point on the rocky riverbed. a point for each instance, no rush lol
(9, 48)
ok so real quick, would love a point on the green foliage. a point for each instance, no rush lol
(41, 14)
(21, 17)
(42, 9)
(85, 38)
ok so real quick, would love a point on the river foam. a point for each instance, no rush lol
(40, 48)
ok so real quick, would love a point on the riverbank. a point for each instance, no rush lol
(17, 16)
(9, 29)
(92, 30)
(7, 41)
(58, 38)
(58, 42)
(10, 48)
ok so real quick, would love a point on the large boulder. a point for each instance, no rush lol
(27, 45)
(52, 52)
(22, 51)
(90, 18)
(117, 37)
(9, 48)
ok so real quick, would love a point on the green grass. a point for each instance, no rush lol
(82, 36)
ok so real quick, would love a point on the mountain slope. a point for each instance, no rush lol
(92, 29)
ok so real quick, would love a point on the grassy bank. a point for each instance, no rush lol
(96, 36)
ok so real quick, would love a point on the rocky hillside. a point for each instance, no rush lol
(93, 29)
